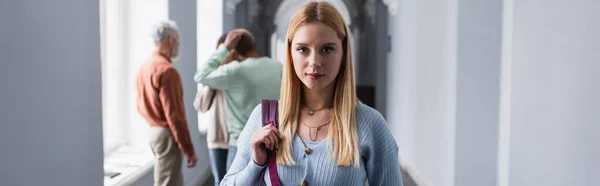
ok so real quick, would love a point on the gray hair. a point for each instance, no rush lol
(163, 30)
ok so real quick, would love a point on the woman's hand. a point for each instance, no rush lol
(265, 138)
(232, 39)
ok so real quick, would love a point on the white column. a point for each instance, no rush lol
(51, 98)
(479, 47)
(554, 102)
(209, 27)
(422, 88)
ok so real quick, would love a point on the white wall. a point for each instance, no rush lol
(51, 109)
(555, 100)
(496, 92)
(479, 47)
(421, 88)
(210, 27)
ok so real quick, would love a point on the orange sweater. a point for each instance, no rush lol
(160, 99)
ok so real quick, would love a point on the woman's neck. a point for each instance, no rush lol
(318, 99)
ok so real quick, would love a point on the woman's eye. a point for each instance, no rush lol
(327, 50)
(302, 49)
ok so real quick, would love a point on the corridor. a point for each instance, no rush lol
(474, 92)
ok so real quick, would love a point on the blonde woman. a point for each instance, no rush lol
(324, 135)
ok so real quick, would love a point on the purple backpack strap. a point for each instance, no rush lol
(269, 116)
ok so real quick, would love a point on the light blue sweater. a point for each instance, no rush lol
(378, 152)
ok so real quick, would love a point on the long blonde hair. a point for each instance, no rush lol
(343, 135)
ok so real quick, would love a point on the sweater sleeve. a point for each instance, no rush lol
(382, 163)
(218, 76)
(243, 170)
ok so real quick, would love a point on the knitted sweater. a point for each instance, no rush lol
(378, 157)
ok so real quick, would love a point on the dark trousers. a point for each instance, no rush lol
(220, 161)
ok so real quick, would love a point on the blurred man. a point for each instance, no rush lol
(160, 102)
(246, 80)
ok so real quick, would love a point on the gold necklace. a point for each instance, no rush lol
(310, 130)
(312, 111)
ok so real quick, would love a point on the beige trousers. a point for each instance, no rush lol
(168, 158)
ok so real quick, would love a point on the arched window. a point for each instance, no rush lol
(126, 43)
(284, 15)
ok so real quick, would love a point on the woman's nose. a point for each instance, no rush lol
(314, 61)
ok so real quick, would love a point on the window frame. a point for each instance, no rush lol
(125, 145)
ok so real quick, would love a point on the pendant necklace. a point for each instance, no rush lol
(316, 132)
(312, 111)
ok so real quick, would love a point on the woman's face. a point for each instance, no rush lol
(317, 54)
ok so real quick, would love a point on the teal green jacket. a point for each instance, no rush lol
(244, 84)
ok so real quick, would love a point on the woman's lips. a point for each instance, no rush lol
(315, 75)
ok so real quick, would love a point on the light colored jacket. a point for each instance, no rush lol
(211, 117)
(245, 84)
